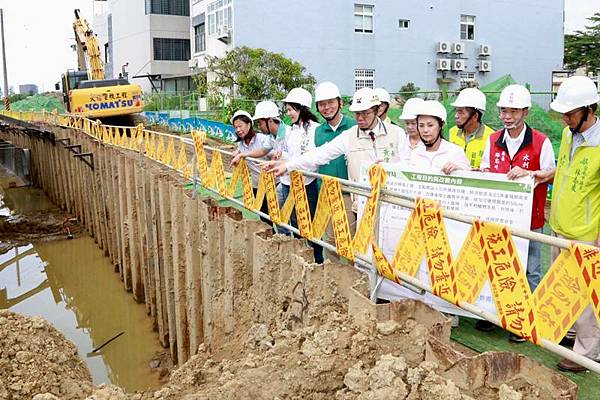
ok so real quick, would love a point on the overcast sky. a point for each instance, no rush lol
(39, 34)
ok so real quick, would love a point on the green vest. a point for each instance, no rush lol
(324, 134)
(575, 211)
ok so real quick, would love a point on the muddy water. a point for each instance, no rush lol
(75, 288)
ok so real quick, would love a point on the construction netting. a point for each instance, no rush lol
(39, 102)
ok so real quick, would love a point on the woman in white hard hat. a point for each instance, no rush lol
(249, 142)
(409, 116)
(301, 140)
(575, 212)
(470, 133)
(437, 152)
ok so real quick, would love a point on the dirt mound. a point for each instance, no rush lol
(37, 359)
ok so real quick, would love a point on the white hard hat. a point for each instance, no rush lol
(432, 108)
(409, 111)
(327, 91)
(299, 96)
(239, 113)
(471, 97)
(575, 92)
(364, 99)
(383, 95)
(515, 96)
(266, 109)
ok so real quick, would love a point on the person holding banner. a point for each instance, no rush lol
(409, 117)
(436, 152)
(369, 141)
(470, 133)
(575, 212)
(517, 150)
(248, 142)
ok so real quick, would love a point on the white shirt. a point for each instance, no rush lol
(447, 152)
(259, 141)
(513, 144)
(342, 145)
(300, 141)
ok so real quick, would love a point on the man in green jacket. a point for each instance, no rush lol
(329, 104)
(575, 212)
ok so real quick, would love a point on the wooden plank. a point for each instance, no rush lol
(132, 230)
(193, 272)
(123, 212)
(164, 202)
(157, 251)
(179, 290)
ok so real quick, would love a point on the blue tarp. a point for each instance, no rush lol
(217, 130)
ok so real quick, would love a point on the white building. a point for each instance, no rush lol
(389, 43)
(149, 40)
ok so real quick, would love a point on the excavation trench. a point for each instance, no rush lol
(246, 314)
(73, 286)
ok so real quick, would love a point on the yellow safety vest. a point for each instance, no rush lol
(575, 211)
(474, 149)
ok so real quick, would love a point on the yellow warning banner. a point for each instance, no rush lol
(410, 250)
(471, 270)
(302, 211)
(322, 215)
(439, 256)
(560, 298)
(362, 238)
(588, 259)
(339, 217)
(383, 266)
(511, 291)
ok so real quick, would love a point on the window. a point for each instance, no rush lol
(467, 27)
(168, 7)
(363, 18)
(199, 38)
(364, 78)
(403, 23)
(467, 79)
(171, 49)
(219, 16)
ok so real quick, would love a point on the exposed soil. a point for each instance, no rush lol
(318, 347)
(36, 358)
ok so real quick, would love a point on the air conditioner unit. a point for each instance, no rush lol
(443, 64)
(443, 47)
(458, 65)
(193, 63)
(458, 48)
(485, 50)
(485, 66)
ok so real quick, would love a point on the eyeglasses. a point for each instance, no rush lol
(364, 114)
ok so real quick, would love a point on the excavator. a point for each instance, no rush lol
(87, 92)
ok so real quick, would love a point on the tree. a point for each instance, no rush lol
(408, 91)
(582, 48)
(255, 74)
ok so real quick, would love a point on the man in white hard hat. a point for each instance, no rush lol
(575, 213)
(386, 100)
(470, 133)
(370, 141)
(329, 104)
(409, 116)
(267, 119)
(517, 150)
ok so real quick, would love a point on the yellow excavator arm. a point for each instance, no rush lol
(88, 49)
(96, 96)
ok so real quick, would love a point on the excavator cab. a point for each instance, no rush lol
(70, 80)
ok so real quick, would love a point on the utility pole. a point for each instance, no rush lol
(6, 100)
